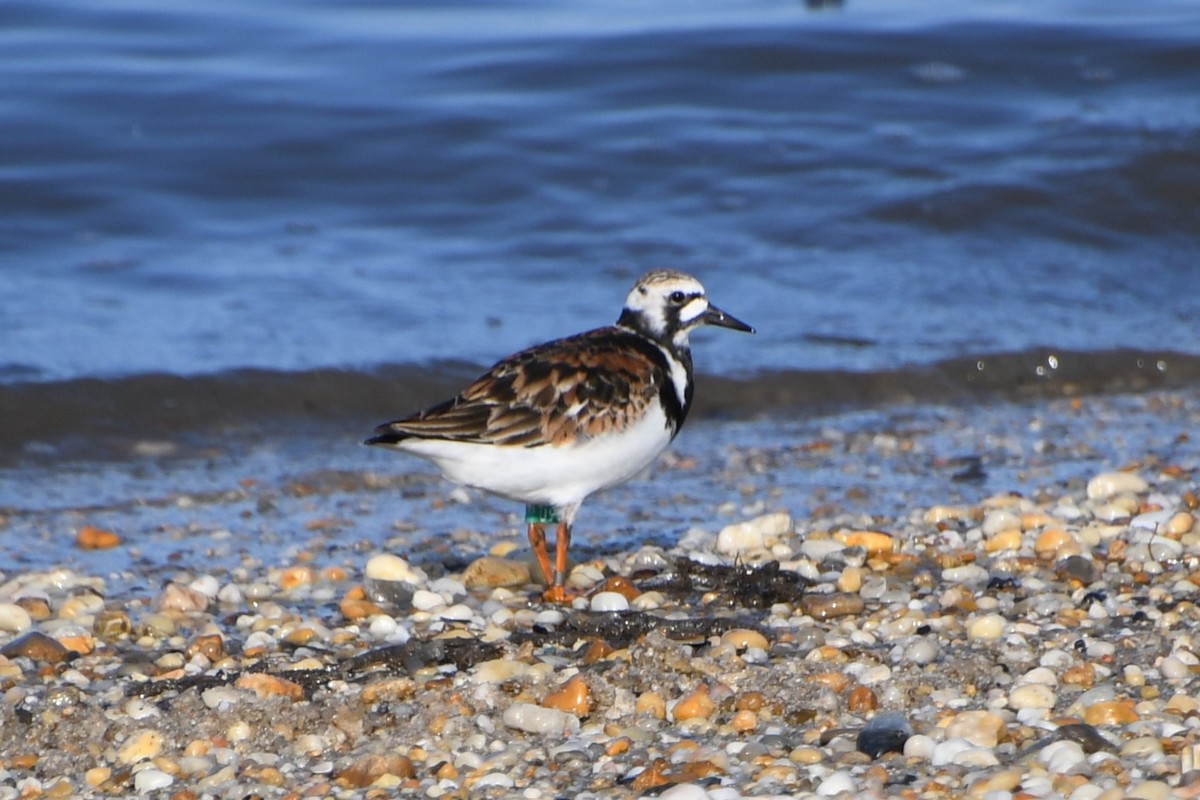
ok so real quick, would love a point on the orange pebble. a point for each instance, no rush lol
(697, 705)
(573, 697)
(90, 538)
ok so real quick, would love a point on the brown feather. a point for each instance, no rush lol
(524, 399)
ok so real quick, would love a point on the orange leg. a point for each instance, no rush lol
(558, 593)
(537, 540)
(562, 542)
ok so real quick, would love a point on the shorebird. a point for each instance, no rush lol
(559, 421)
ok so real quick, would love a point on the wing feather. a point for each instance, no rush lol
(554, 393)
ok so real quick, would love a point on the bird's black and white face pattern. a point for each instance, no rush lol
(665, 306)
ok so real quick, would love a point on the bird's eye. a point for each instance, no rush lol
(677, 297)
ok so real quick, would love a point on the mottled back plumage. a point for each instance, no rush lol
(555, 393)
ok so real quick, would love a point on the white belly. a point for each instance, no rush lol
(549, 475)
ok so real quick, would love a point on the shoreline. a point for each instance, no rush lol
(1003, 590)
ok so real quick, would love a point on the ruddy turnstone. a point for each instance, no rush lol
(552, 424)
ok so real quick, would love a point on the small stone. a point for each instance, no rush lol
(1000, 519)
(1031, 695)
(490, 572)
(652, 704)
(295, 577)
(36, 646)
(851, 580)
(1050, 541)
(743, 639)
(753, 536)
(862, 699)
(80, 642)
(1149, 790)
(37, 608)
(939, 514)
(685, 791)
(389, 567)
(371, 768)
(744, 721)
(96, 776)
(141, 746)
(499, 670)
(355, 605)
(1179, 524)
(211, 646)
(980, 728)
(1107, 484)
(885, 733)
(823, 607)
(874, 542)
(573, 697)
(609, 602)
(836, 783)
(264, 685)
(90, 538)
(1009, 539)
(698, 704)
(14, 618)
(177, 597)
(151, 780)
(1115, 712)
(538, 719)
(986, 627)
(389, 690)
(1005, 780)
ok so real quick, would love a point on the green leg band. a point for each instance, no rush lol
(541, 514)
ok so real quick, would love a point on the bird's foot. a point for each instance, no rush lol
(559, 595)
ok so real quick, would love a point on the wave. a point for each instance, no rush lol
(160, 413)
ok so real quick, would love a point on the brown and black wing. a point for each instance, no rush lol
(554, 393)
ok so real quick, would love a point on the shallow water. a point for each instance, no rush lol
(245, 506)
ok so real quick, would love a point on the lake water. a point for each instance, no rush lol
(880, 187)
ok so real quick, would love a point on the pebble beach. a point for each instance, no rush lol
(990, 601)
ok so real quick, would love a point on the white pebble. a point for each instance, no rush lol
(946, 752)
(753, 536)
(1062, 756)
(536, 719)
(1106, 484)
(919, 746)
(836, 783)
(921, 652)
(817, 550)
(230, 595)
(150, 780)
(685, 791)
(986, 627)
(493, 779)
(206, 585)
(219, 696)
(976, 757)
(1173, 669)
(1000, 519)
(382, 626)
(14, 619)
(609, 602)
(968, 574)
(550, 616)
(458, 612)
(448, 587)
(425, 600)
(1031, 695)
(389, 567)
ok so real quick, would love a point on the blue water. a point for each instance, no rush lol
(200, 186)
